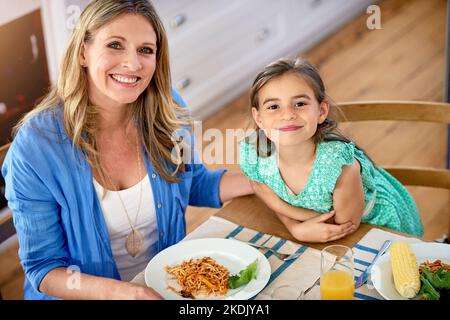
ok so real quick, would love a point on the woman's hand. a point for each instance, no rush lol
(132, 291)
(268, 196)
(146, 293)
(271, 199)
(318, 230)
(232, 185)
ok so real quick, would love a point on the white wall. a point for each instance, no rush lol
(58, 19)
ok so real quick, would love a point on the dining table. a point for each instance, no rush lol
(248, 219)
(251, 212)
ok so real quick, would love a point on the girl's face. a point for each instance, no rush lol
(288, 110)
(120, 60)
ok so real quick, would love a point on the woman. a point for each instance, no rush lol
(95, 177)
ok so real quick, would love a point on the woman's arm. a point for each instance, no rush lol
(348, 196)
(41, 235)
(64, 284)
(234, 184)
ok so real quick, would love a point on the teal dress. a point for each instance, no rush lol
(393, 206)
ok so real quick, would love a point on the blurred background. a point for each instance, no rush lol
(365, 50)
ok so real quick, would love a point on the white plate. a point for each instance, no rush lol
(233, 255)
(381, 275)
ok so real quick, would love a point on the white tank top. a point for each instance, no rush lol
(119, 227)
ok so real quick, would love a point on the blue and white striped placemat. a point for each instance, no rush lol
(306, 269)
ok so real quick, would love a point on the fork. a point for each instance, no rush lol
(279, 255)
(365, 275)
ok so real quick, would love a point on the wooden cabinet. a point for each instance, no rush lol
(23, 63)
(23, 68)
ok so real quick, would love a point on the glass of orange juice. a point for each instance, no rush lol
(336, 273)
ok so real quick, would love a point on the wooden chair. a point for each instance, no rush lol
(404, 111)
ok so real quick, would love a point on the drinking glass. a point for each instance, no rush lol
(287, 292)
(336, 273)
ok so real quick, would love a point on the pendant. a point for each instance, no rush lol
(134, 242)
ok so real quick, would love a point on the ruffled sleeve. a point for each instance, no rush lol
(335, 155)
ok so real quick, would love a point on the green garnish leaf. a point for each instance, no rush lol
(244, 276)
(428, 291)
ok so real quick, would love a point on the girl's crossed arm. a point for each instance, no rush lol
(348, 196)
(271, 199)
(308, 225)
(348, 199)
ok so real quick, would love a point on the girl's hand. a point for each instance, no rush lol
(318, 230)
(267, 195)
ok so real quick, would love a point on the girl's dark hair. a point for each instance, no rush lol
(326, 131)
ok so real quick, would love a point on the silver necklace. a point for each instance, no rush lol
(135, 240)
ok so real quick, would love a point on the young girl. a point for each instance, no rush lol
(328, 184)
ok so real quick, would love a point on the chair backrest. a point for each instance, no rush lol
(403, 111)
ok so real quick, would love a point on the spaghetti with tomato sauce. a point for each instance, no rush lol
(203, 276)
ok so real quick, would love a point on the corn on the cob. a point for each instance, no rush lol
(405, 269)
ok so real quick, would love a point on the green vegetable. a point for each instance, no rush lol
(441, 279)
(244, 276)
(427, 289)
(434, 283)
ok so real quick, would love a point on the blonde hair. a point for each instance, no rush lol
(156, 114)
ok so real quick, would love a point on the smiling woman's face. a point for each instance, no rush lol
(120, 60)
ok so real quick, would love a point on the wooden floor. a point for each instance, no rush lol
(402, 61)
